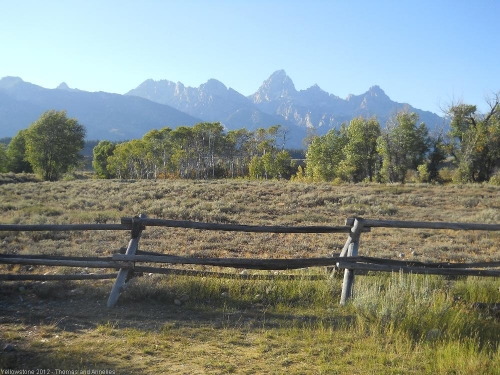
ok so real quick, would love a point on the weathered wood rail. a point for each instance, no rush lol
(348, 259)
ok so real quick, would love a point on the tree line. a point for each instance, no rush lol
(51, 147)
(364, 151)
(361, 150)
(204, 151)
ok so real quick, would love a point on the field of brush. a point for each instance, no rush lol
(196, 325)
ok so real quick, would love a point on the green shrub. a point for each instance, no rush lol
(424, 308)
(495, 179)
(446, 175)
(423, 173)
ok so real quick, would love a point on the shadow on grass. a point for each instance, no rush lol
(67, 325)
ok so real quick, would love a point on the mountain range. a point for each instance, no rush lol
(105, 116)
(155, 104)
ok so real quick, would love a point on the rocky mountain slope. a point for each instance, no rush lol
(316, 108)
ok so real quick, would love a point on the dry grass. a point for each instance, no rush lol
(251, 202)
(249, 327)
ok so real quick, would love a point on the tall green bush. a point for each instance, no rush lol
(53, 143)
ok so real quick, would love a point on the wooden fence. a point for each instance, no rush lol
(348, 259)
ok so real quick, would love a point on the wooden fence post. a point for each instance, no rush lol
(133, 245)
(353, 245)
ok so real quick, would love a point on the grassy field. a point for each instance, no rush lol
(191, 325)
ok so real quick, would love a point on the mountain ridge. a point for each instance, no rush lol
(106, 116)
(277, 100)
(155, 104)
(314, 107)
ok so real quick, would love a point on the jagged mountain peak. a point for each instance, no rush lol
(214, 86)
(152, 83)
(277, 86)
(373, 92)
(280, 80)
(278, 73)
(315, 88)
(160, 82)
(315, 94)
(377, 91)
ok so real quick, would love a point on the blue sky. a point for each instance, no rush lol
(426, 53)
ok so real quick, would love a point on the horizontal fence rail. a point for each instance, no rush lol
(61, 227)
(34, 261)
(364, 263)
(249, 263)
(89, 276)
(424, 225)
(128, 260)
(239, 228)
